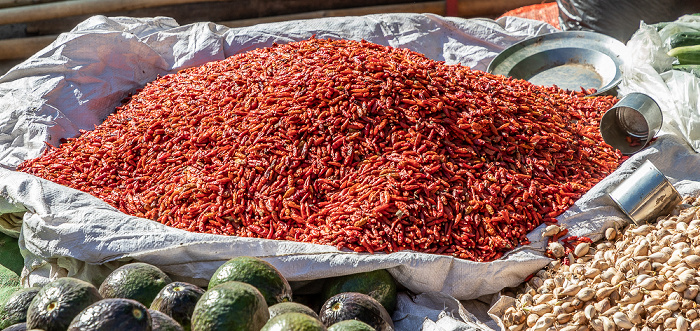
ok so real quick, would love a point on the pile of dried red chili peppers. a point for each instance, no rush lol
(343, 143)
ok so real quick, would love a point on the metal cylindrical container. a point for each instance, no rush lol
(631, 123)
(645, 194)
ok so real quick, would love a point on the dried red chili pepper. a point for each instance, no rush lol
(345, 143)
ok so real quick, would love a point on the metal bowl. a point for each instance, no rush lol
(569, 60)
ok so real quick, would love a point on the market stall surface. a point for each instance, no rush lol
(197, 255)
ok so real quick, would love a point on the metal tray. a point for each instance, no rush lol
(570, 60)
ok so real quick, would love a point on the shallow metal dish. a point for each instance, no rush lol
(570, 60)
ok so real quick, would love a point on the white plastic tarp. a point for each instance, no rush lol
(78, 80)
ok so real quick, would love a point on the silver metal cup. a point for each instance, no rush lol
(645, 194)
(631, 123)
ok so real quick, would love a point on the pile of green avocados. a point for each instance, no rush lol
(245, 293)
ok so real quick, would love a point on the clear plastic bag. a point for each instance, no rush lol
(650, 71)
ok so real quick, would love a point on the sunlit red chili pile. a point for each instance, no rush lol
(343, 143)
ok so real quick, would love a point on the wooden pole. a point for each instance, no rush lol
(17, 3)
(19, 48)
(435, 7)
(61, 9)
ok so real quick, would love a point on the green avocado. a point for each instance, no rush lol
(163, 322)
(16, 327)
(177, 300)
(257, 272)
(290, 307)
(294, 322)
(378, 284)
(359, 306)
(350, 325)
(112, 314)
(58, 302)
(15, 309)
(138, 281)
(231, 306)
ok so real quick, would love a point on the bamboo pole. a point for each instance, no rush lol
(435, 7)
(470, 8)
(17, 3)
(62, 9)
(24, 47)
(19, 48)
